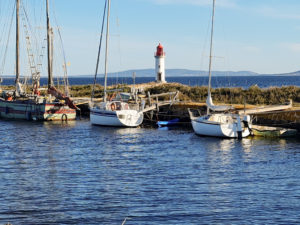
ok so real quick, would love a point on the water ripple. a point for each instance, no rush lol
(75, 173)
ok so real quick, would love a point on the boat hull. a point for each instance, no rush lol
(122, 118)
(30, 110)
(272, 132)
(202, 126)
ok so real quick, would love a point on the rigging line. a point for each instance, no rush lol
(119, 49)
(39, 35)
(66, 81)
(2, 10)
(204, 49)
(31, 59)
(99, 50)
(30, 26)
(8, 39)
(5, 22)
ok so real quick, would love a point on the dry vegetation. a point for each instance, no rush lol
(253, 95)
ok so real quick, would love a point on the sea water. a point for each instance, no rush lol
(221, 81)
(76, 173)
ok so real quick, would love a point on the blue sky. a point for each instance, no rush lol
(257, 35)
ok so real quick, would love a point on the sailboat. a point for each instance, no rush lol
(112, 112)
(219, 121)
(20, 105)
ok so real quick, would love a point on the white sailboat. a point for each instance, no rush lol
(219, 122)
(112, 112)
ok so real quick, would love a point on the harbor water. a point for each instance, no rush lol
(75, 173)
(221, 81)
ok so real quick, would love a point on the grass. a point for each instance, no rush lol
(253, 95)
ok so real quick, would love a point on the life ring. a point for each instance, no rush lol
(64, 117)
(113, 106)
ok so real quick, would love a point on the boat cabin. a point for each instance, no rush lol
(113, 106)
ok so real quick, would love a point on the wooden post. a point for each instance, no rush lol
(149, 98)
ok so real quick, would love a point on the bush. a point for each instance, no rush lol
(253, 95)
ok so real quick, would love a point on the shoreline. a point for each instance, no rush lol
(253, 95)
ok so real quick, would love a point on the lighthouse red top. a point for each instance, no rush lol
(160, 50)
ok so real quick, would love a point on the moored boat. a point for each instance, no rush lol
(267, 131)
(18, 104)
(219, 121)
(115, 113)
(111, 112)
(32, 110)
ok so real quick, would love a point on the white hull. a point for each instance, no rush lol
(220, 125)
(122, 118)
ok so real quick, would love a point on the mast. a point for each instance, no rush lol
(17, 43)
(106, 50)
(99, 51)
(210, 53)
(51, 52)
(50, 83)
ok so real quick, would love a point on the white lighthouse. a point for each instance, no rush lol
(160, 64)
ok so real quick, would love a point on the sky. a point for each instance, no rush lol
(262, 36)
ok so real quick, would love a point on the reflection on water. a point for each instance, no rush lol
(76, 173)
(55, 124)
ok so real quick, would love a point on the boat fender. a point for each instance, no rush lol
(113, 107)
(64, 117)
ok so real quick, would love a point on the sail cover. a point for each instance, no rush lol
(217, 108)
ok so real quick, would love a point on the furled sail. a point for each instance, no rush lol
(217, 108)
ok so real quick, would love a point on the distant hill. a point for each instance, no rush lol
(180, 73)
(297, 73)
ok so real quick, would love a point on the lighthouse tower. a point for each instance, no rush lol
(160, 64)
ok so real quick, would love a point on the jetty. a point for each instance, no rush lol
(156, 104)
(172, 100)
(284, 116)
(168, 101)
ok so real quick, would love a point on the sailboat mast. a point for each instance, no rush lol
(106, 50)
(211, 49)
(48, 46)
(99, 50)
(17, 42)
